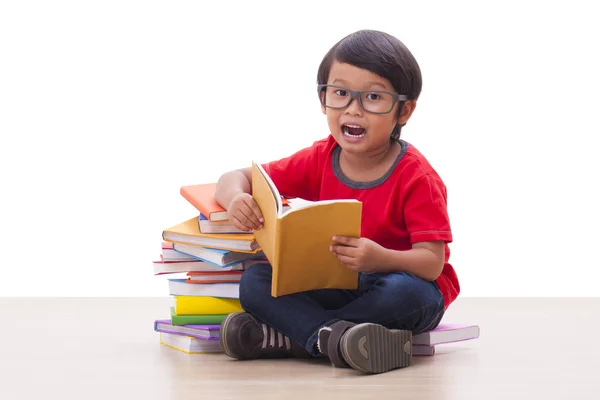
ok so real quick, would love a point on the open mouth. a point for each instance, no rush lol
(354, 131)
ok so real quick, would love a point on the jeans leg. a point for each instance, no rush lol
(398, 301)
(298, 316)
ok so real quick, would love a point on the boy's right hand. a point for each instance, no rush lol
(244, 213)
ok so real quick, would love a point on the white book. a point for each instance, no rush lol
(172, 255)
(162, 267)
(189, 344)
(180, 287)
(447, 333)
(215, 256)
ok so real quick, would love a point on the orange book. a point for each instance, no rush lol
(187, 232)
(202, 197)
(296, 241)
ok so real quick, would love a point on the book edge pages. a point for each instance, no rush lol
(274, 190)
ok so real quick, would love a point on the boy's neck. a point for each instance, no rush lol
(372, 161)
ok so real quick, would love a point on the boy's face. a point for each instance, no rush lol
(355, 129)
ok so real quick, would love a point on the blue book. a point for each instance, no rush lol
(219, 257)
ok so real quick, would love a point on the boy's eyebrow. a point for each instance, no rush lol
(370, 83)
(373, 83)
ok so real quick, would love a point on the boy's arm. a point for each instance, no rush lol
(232, 184)
(233, 193)
(425, 260)
(426, 218)
(427, 222)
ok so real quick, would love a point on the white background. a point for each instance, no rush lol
(108, 107)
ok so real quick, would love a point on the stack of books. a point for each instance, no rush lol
(211, 254)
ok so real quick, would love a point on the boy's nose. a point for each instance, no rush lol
(354, 107)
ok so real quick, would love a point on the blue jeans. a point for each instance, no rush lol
(396, 301)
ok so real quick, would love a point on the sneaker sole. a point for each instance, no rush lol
(373, 348)
(223, 337)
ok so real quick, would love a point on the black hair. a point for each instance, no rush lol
(382, 54)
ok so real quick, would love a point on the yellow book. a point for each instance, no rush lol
(205, 305)
(296, 241)
(188, 232)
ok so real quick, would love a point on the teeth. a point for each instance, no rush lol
(352, 136)
(347, 127)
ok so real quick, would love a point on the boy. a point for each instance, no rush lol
(368, 85)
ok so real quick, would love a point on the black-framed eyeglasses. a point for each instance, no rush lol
(373, 101)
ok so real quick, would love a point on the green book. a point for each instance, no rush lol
(196, 319)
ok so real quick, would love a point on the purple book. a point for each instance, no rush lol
(447, 333)
(208, 332)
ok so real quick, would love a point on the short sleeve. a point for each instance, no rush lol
(426, 212)
(298, 175)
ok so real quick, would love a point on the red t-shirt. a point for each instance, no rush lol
(406, 205)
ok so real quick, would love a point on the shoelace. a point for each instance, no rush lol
(272, 338)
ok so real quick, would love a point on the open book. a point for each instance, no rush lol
(296, 241)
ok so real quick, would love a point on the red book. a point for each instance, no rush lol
(214, 277)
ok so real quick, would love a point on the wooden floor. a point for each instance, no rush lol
(105, 348)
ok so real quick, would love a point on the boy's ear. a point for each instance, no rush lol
(407, 110)
(323, 108)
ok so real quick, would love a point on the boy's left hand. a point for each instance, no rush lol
(358, 254)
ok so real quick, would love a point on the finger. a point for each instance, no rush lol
(346, 240)
(248, 218)
(256, 210)
(343, 250)
(249, 213)
(347, 261)
(245, 221)
(238, 224)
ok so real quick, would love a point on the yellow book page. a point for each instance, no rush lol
(185, 351)
(205, 305)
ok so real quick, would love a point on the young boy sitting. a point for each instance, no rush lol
(368, 85)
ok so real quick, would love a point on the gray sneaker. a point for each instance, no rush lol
(328, 342)
(244, 338)
(373, 348)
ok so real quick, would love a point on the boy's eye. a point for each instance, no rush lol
(373, 96)
(341, 92)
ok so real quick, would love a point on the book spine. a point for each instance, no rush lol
(197, 319)
(205, 305)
